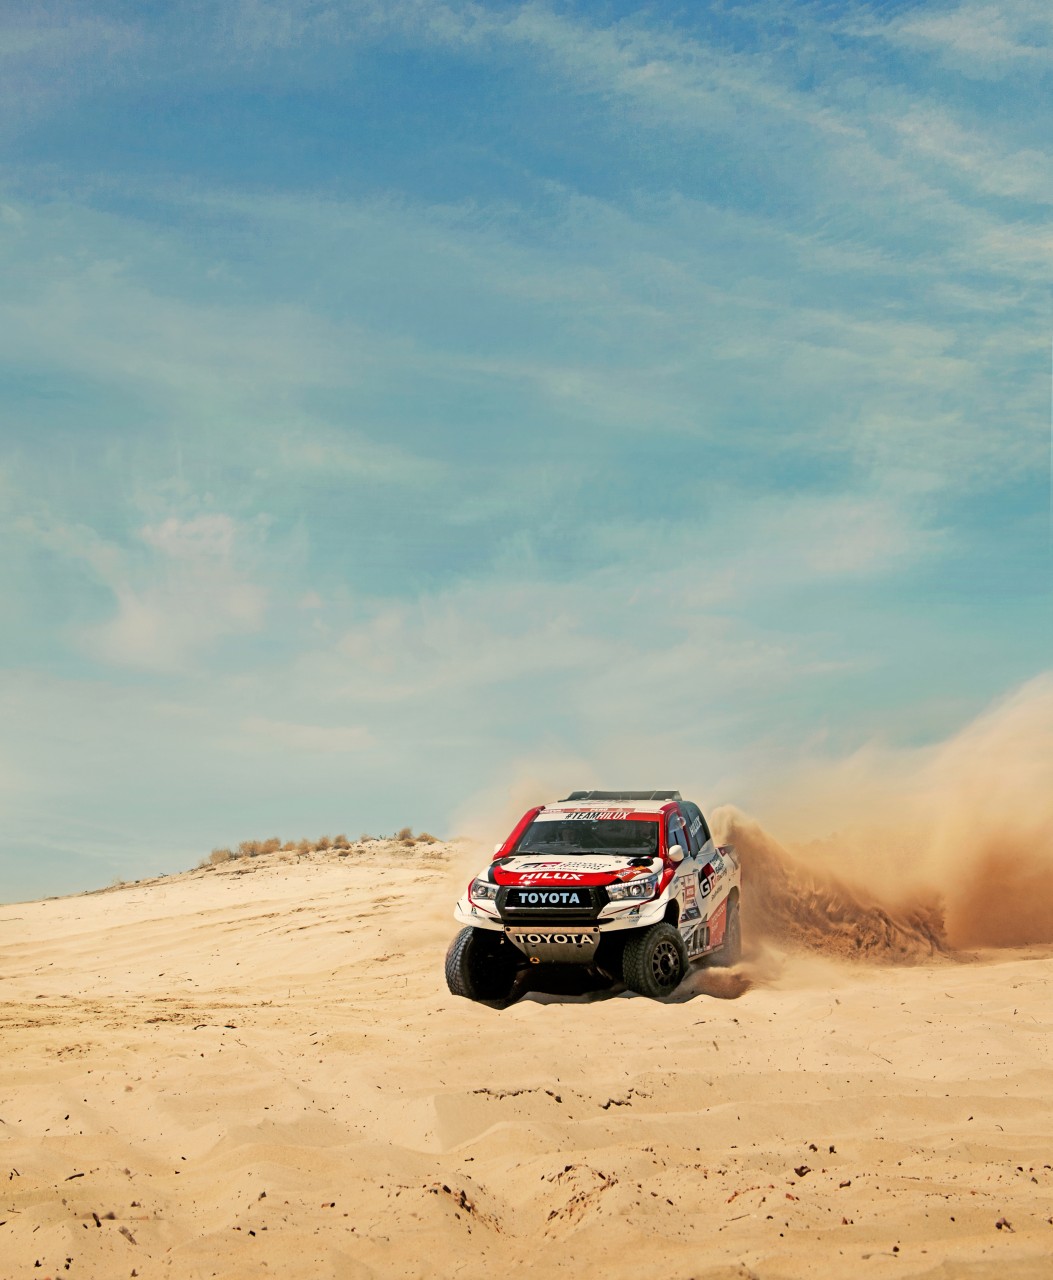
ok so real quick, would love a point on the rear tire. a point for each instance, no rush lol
(654, 961)
(730, 950)
(481, 964)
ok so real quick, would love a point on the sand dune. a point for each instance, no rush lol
(256, 1070)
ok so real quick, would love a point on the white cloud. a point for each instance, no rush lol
(669, 610)
(663, 71)
(757, 547)
(54, 35)
(641, 306)
(259, 25)
(49, 54)
(196, 594)
(206, 537)
(192, 589)
(982, 39)
(654, 288)
(261, 731)
(984, 160)
(307, 446)
(164, 628)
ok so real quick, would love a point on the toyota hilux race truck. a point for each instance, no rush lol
(629, 884)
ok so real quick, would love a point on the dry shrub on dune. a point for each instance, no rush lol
(340, 843)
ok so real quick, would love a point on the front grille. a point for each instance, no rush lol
(550, 904)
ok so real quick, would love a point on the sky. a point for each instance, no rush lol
(408, 405)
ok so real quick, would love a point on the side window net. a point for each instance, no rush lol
(676, 833)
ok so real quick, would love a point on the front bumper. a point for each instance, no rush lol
(603, 917)
(559, 945)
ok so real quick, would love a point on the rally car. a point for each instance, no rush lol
(629, 884)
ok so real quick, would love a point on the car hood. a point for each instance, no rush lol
(596, 868)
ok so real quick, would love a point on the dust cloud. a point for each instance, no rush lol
(787, 902)
(991, 854)
(944, 849)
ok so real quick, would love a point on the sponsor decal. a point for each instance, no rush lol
(633, 873)
(583, 815)
(547, 898)
(691, 912)
(546, 877)
(527, 872)
(696, 826)
(728, 851)
(689, 890)
(718, 924)
(717, 863)
(597, 815)
(562, 939)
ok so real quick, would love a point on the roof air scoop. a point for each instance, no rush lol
(622, 795)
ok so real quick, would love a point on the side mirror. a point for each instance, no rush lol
(675, 854)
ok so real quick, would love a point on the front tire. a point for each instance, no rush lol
(654, 961)
(481, 965)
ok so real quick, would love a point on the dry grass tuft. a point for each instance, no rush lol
(254, 848)
(340, 844)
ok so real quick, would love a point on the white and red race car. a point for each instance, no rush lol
(629, 884)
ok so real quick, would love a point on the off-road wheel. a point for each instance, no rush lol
(730, 950)
(481, 964)
(655, 961)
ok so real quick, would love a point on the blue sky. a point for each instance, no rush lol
(404, 405)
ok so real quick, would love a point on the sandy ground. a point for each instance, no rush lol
(257, 1070)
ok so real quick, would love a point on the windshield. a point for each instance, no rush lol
(569, 836)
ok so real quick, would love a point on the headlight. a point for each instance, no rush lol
(482, 891)
(643, 888)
